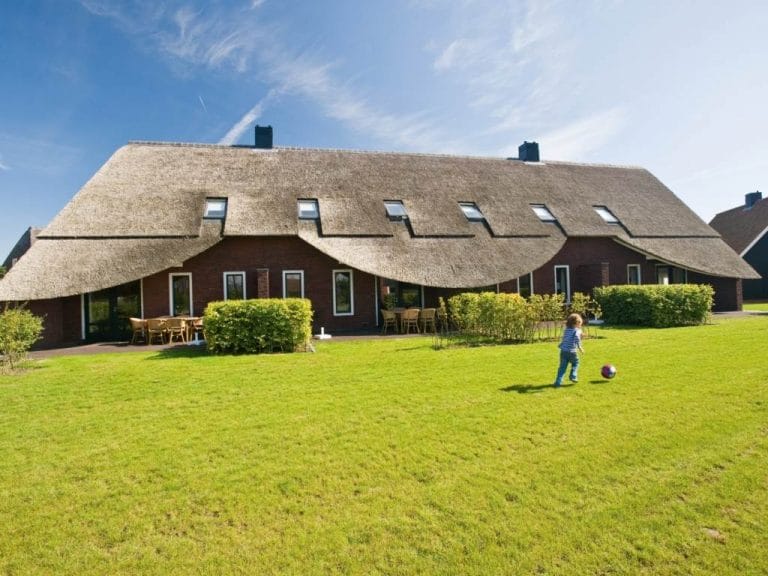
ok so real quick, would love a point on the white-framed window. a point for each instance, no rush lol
(343, 293)
(471, 211)
(633, 274)
(215, 208)
(395, 209)
(308, 209)
(525, 285)
(293, 283)
(543, 213)
(563, 281)
(180, 294)
(234, 286)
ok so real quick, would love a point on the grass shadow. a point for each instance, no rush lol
(181, 351)
(528, 388)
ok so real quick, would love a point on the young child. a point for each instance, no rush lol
(570, 345)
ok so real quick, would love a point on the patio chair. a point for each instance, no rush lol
(138, 329)
(409, 319)
(176, 328)
(156, 329)
(427, 320)
(390, 319)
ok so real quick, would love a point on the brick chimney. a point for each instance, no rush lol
(263, 137)
(528, 152)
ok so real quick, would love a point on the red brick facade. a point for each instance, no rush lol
(591, 262)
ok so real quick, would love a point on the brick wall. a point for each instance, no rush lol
(266, 259)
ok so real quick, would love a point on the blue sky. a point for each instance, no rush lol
(680, 88)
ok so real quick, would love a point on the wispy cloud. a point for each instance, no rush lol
(217, 39)
(578, 140)
(3, 166)
(245, 122)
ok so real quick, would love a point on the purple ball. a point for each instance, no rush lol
(608, 371)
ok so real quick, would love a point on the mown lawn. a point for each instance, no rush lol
(390, 457)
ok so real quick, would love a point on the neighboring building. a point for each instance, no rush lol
(745, 229)
(166, 228)
(21, 247)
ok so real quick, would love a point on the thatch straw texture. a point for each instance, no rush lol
(64, 267)
(709, 256)
(143, 212)
(443, 262)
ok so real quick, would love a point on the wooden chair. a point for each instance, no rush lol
(176, 328)
(156, 329)
(427, 320)
(138, 329)
(409, 319)
(389, 320)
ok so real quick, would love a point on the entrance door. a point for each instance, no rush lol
(107, 312)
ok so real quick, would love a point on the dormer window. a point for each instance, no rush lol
(215, 208)
(308, 210)
(543, 213)
(395, 210)
(606, 215)
(471, 211)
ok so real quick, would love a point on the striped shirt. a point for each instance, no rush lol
(571, 341)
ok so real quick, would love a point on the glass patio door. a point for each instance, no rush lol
(107, 312)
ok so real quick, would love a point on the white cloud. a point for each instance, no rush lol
(4, 167)
(245, 122)
(579, 139)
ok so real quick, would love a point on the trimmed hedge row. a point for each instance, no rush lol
(502, 317)
(256, 326)
(659, 306)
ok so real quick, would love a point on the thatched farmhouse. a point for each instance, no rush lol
(163, 229)
(745, 229)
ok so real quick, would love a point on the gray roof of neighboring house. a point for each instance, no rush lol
(20, 248)
(146, 204)
(741, 227)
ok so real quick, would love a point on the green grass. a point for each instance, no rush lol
(389, 457)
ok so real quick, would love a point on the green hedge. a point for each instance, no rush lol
(255, 326)
(659, 306)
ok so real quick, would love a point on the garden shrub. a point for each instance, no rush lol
(19, 329)
(256, 326)
(492, 316)
(659, 306)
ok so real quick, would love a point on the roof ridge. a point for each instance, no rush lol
(382, 153)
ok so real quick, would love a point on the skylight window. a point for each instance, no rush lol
(395, 210)
(471, 211)
(606, 215)
(543, 213)
(215, 208)
(308, 210)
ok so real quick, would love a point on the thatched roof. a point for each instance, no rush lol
(741, 227)
(149, 194)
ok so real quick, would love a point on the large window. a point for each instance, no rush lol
(180, 288)
(525, 285)
(666, 274)
(343, 299)
(633, 274)
(293, 284)
(404, 295)
(563, 282)
(234, 286)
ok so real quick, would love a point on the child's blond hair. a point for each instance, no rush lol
(573, 320)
